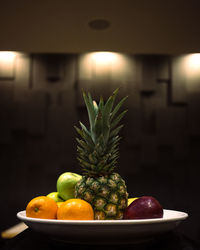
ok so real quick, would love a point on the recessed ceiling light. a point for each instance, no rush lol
(99, 24)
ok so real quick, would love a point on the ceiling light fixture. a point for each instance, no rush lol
(99, 24)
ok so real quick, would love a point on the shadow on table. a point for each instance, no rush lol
(33, 240)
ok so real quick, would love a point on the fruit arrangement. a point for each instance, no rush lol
(100, 193)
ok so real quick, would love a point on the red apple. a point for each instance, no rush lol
(145, 207)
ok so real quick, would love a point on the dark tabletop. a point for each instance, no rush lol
(30, 240)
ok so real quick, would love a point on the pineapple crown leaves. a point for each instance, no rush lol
(101, 117)
(99, 144)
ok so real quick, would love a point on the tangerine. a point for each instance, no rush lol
(42, 207)
(75, 209)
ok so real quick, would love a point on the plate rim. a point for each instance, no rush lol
(182, 216)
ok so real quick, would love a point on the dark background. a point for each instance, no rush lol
(41, 101)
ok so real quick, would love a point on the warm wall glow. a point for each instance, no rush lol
(192, 66)
(189, 71)
(104, 57)
(7, 56)
(194, 61)
(7, 59)
(104, 65)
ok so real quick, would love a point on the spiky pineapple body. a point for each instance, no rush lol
(107, 195)
(98, 152)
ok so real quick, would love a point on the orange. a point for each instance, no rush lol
(42, 207)
(75, 209)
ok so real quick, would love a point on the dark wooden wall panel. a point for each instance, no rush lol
(178, 80)
(193, 113)
(6, 111)
(163, 69)
(44, 86)
(148, 71)
(37, 108)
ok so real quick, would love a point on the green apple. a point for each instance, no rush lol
(66, 185)
(55, 196)
(130, 200)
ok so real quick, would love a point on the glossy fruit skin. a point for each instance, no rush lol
(75, 209)
(66, 185)
(42, 207)
(55, 196)
(145, 207)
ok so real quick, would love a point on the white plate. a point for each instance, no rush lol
(105, 231)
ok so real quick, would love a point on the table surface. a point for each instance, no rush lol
(29, 239)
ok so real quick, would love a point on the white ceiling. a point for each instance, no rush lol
(137, 26)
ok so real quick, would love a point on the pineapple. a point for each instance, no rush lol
(98, 152)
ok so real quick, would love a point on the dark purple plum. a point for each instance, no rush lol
(145, 207)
